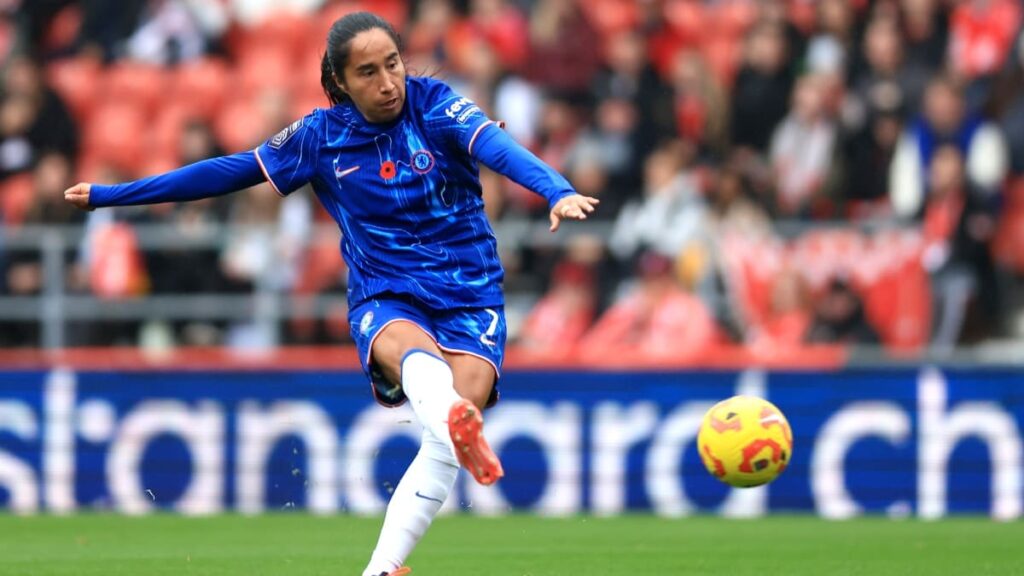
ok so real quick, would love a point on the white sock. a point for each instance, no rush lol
(428, 383)
(419, 495)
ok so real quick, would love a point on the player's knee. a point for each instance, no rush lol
(474, 381)
(392, 347)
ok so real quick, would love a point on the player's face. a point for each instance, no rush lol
(375, 76)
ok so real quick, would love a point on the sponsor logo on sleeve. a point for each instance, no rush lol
(284, 135)
(462, 110)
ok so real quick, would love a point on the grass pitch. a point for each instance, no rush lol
(296, 544)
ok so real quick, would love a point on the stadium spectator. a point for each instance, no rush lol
(867, 162)
(981, 36)
(700, 105)
(732, 209)
(839, 318)
(886, 81)
(252, 12)
(832, 45)
(926, 30)
(429, 35)
(672, 212)
(503, 27)
(946, 121)
(789, 319)
(107, 24)
(655, 320)
(173, 31)
(603, 156)
(557, 322)
(883, 92)
(760, 96)
(25, 270)
(1008, 106)
(564, 47)
(33, 119)
(802, 150)
(958, 227)
(628, 75)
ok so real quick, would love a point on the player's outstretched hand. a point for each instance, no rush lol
(575, 207)
(78, 195)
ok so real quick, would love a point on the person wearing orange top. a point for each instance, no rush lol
(658, 320)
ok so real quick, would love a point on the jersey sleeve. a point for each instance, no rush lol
(289, 158)
(456, 118)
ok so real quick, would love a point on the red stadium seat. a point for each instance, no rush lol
(689, 19)
(722, 55)
(263, 68)
(77, 81)
(115, 133)
(135, 84)
(305, 80)
(285, 32)
(157, 164)
(63, 29)
(316, 41)
(394, 11)
(16, 195)
(165, 130)
(734, 17)
(802, 14)
(306, 102)
(610, 16)
(239, 126)
(1009, 242)
(201, 86)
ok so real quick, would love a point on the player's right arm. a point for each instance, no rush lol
(287, 161)
(205, 179)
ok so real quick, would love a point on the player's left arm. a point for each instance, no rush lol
(499, 152)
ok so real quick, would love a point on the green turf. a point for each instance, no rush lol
(291, 545)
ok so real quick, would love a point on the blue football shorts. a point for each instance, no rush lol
(477, 331)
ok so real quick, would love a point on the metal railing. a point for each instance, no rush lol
(265, 306)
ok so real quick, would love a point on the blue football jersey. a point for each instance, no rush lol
(406, 195)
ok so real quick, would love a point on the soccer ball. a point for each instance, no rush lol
(745, 441)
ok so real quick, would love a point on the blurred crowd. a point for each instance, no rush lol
(773, 173)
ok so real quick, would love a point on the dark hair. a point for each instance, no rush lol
(339, 40)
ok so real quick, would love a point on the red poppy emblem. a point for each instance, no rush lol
(387, 170)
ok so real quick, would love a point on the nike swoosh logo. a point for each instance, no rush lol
(418, 495)
(346, 172)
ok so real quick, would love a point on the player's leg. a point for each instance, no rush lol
(447, 393)
(405, 353)
(418, 497)
(403, 360)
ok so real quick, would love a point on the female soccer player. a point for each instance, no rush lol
(394, 161)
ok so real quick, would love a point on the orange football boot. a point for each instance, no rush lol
(466, 426)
